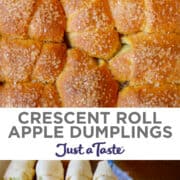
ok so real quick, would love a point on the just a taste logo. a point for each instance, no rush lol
(97, 148)
(83, 126)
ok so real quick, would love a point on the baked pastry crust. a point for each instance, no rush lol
(83, 83)
(151, 16)
(99, 43)
(90, 27)
(162, 16)
(128, 15)
(164, 95)
(29, 95)
(148, 59)
(50, 63)
(114, 42)
(15, 17)
(17, 59)
(41, 19)
(27, 60)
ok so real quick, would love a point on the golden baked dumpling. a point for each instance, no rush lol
(150, 96)
(90, 27)
(84, 83)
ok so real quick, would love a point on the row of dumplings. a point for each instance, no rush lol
(54, 170)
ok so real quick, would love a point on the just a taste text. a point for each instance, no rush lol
(98, 149)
